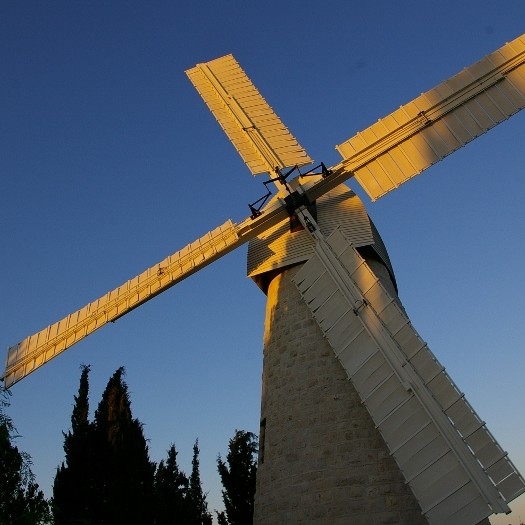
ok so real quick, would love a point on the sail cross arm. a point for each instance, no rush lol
(438, 122)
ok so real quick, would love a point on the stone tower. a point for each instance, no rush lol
(321, 459)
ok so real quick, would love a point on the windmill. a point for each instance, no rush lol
(456, 471)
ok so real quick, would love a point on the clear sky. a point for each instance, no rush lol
(109, 161)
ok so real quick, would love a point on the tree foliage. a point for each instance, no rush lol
(199, 514)
(123, 472)
(238, 479)
(171, 492)
(72, 488)
(21, 501)
(107, 477)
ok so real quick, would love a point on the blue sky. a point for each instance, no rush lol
(110, 161)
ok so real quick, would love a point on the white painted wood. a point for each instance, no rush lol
(257, 133)
(438, 122)
(277, 247)
(457, 471)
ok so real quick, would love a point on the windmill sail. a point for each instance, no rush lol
(257, 133)
(457, 471)
(39, 348)
(440, 121)
(36, 350)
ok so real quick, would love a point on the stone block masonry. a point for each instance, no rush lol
(321, 461)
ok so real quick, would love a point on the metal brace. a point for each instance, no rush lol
(359, 305)
(325, 172)
(294, 201)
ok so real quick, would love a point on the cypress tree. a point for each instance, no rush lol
(238, 479)
(123, 471)
(72, 488)
(171, 492)
(199, 514)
